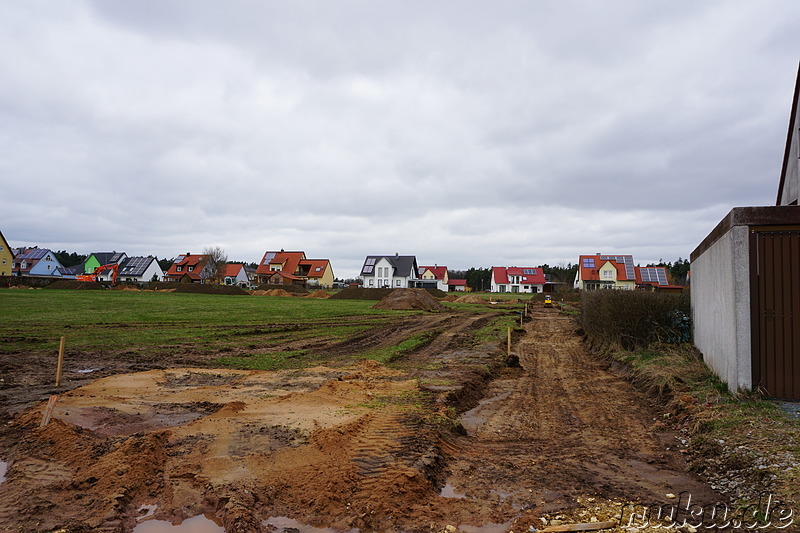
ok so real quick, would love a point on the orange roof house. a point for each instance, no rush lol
(187, 268)
(605, 272)
(294, 268)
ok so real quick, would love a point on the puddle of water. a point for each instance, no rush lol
(87, 370)
(486, 528)
(3, 470)
(448, 491)
(475, 417)
(283, 524)
(198, 524)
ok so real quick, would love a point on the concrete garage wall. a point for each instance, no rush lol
(721, 307)
(721, 290)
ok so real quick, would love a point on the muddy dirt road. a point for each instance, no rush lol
(449, 437)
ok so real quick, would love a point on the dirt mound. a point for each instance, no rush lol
(319, 294)
(199, 288)
(450, 298)
(410, 299)
(470, 299)
(275, 292)
(362, 293)
(75, 285)
(126, 287)
(286, 287)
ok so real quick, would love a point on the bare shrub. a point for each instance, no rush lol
(632, 319)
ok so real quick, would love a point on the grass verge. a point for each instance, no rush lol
(745, 445)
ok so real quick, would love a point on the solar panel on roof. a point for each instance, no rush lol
(368, 269)
(588, 262)
(370, 261)
(629, 270)
(269, 257)
(529, 271)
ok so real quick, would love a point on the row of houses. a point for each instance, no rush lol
(293, 267)
(594, 272)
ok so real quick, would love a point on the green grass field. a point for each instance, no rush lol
(236, 331)
(94, 319)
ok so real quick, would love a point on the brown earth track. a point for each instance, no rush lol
(352, 447)
(564, 429)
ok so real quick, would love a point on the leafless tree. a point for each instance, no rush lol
(214, 268)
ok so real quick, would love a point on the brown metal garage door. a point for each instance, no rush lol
(775, 267)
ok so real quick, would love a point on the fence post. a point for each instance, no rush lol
(60, 360)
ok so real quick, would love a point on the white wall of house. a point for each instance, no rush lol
(152, 269)
(384, 276)
(720, 292)
(240, 279)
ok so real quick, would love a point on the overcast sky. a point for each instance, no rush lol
(465, 133)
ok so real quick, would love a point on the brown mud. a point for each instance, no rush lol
(354, 446)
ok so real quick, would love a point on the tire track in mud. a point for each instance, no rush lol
(563, 428)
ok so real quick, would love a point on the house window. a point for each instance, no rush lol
(23, 265)
(398, 283)
(191, 268)
(4, 260)
(607, 274)
(371, 282)
(179, 269)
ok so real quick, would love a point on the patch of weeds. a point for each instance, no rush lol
(390, 353)
(496, 330)
(268, 361)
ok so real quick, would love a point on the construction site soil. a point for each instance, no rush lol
(456, 436)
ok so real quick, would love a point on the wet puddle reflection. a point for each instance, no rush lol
(198, 524)
(448, 491)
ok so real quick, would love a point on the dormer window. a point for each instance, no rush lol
(179, 269)
(191, 268)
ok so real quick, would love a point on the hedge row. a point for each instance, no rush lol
(631, 319)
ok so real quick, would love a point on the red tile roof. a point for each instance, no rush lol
(457, 282)
(439, 272)
(528, 275)
(196, 262)
(231, 270)
(316, 267)
(289, 261)
(590, 266)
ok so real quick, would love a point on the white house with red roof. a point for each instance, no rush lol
(518, 279)
(435, 273)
